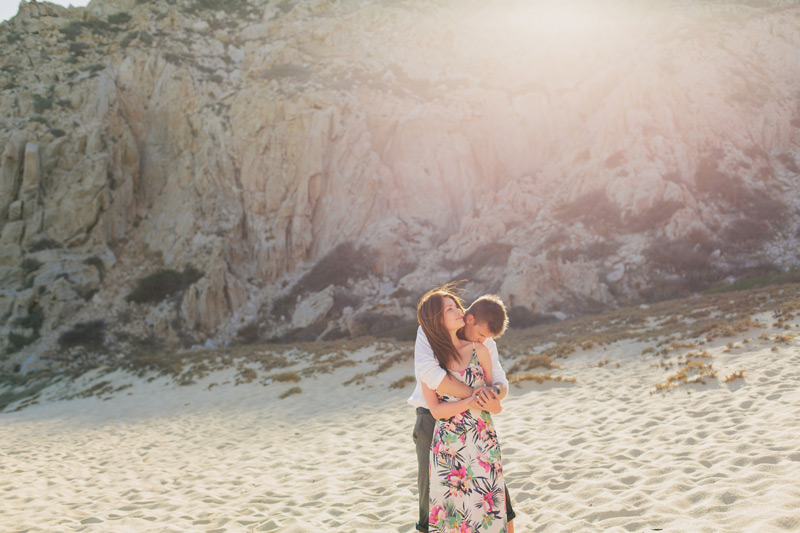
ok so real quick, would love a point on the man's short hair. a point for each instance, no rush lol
(490, 310)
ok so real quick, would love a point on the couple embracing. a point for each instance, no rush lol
(459, 386)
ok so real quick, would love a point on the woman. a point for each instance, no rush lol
(467, 491)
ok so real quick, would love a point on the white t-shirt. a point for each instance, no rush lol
(427, 369)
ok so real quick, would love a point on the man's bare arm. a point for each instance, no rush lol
(453, 387)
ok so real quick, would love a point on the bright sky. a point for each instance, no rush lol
(8, 8)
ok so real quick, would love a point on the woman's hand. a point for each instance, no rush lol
(472, 401)
(488, 400)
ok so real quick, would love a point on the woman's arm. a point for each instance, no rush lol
(485, 359)
(441, 409)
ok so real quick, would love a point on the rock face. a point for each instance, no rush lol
(567, 157)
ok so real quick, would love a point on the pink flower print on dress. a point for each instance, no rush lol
(459, 481)
(482, 429)
(485, 463)
(459, 527)
(488, 503)
(437, 514)
(446, 451)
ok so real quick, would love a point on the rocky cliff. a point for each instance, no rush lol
(207, 171)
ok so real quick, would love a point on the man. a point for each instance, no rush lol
(484, 320)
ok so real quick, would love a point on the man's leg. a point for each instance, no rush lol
(510, 514)
(423, 435)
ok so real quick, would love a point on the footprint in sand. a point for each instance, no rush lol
(766, 460)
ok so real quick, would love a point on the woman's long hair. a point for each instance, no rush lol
(430, 315)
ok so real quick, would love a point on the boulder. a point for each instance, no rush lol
(10, 255)
(313, 308)
(31, 178)
(6, 303)
(10, 172)
(13, 232)
(15, 211)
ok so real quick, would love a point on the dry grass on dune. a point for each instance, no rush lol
(667, 328)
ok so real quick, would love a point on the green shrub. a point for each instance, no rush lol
(370, 323)
(128, 39)
(33, 320)
(78, 49)
(90, 335)
(17, 342)
(757, 204)
(250, 333)
(492, 254)
(45, 243)
(119, 18)
(594, 209)
(31, 264)
(146, 38)
(96, 26)
(287, 70)
(175, 59)
(711, 181)
(164, 283)
(406, 332)
(345, 262)
(746, 234)
(42, 103)
(692, 254)
(231, 7)
(72, 30)
(764, 280)
(98, 264)
(653, 218)
(591, 252)
(286, 6)
(520, 317)
(308, 334)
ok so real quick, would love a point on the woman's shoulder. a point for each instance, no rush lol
(480, 349)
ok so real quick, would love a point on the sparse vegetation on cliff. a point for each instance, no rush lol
(162, 284)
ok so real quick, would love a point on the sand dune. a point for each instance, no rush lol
(602, 454)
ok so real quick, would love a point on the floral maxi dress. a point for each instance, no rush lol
(467, 491)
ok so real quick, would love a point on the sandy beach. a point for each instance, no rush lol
(608, 452)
